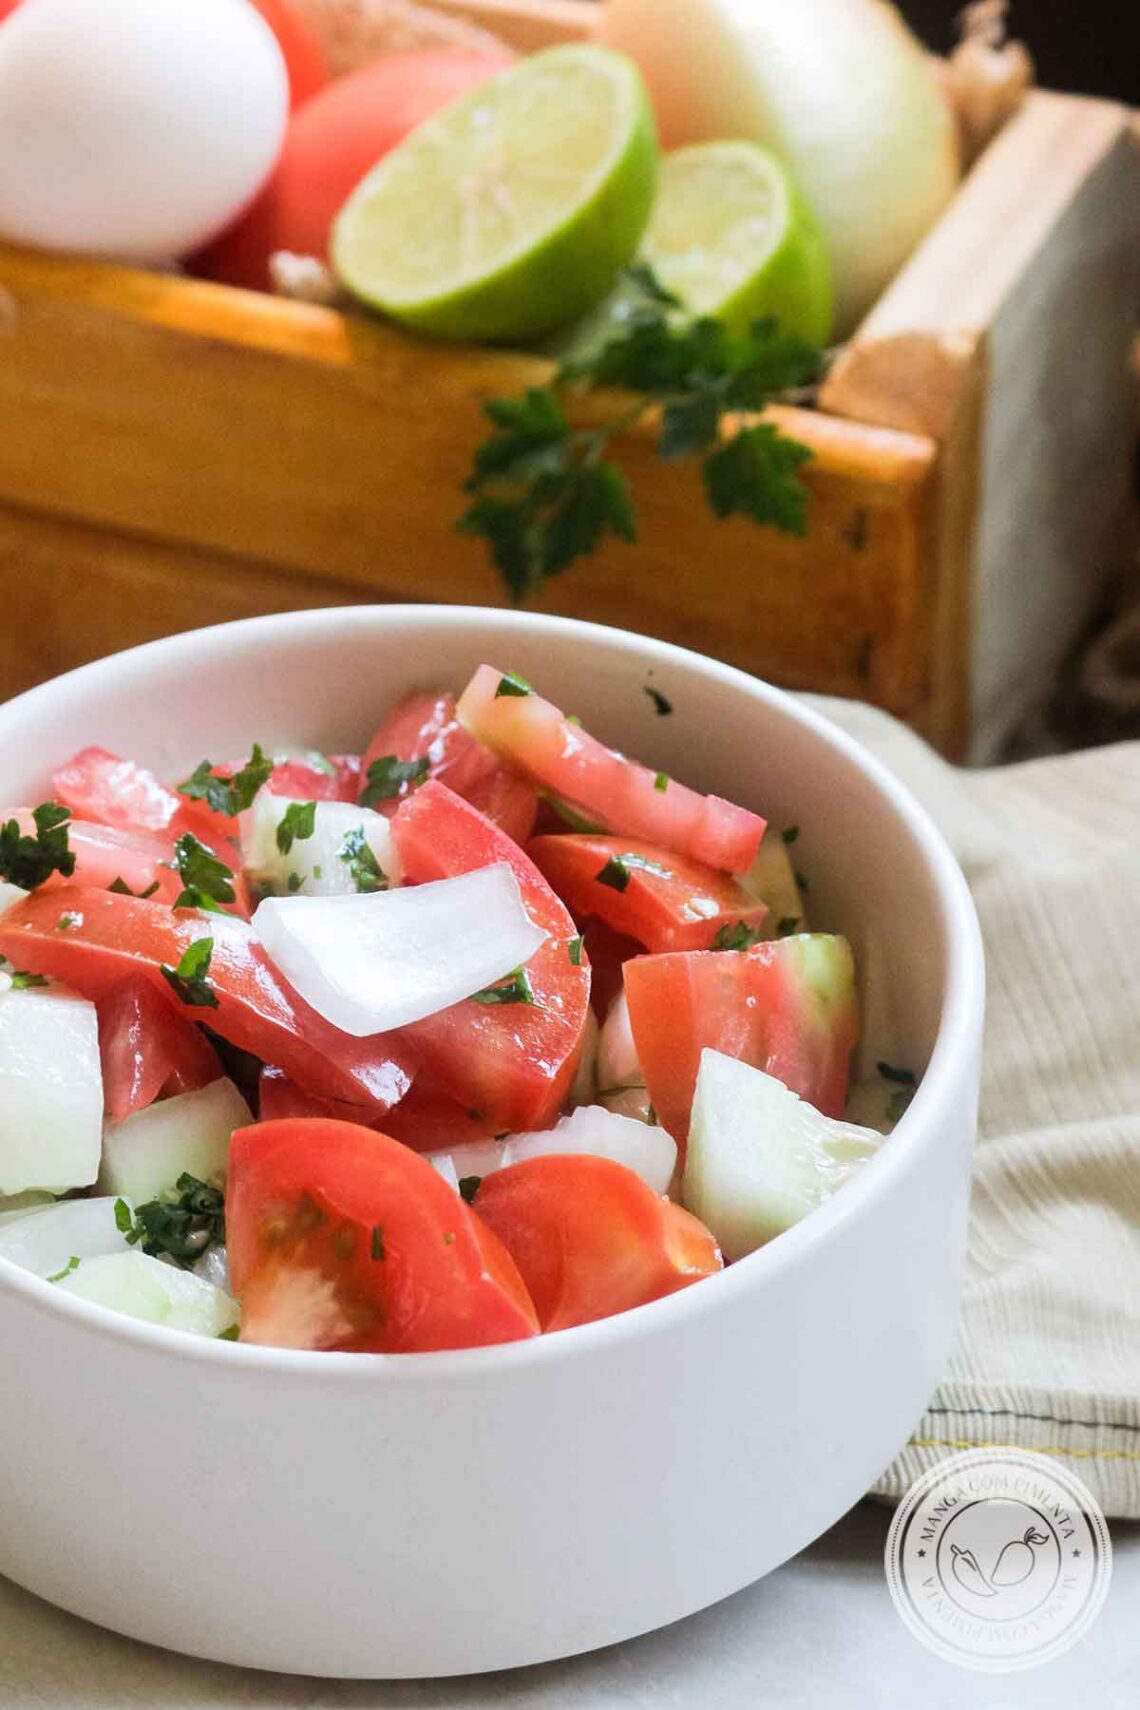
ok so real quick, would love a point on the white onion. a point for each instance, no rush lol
(316, 866)
(45, 1241)
(144, 1156)
(51, 1091)
(371, 963)
(618, 1065)
(840, 89)
(591, 1131)
(10, 894)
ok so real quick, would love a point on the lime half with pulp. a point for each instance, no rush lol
(731, 237)
(510, 212)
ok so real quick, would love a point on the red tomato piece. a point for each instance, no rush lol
(338, 780)
(513, 1063)
(304, 56)
(604, 787)
(431, 1122)
(148, 1049)
(590, 1238)
(608, 951)
(330, 144)
(340, 1237)
(279, 1097)
(116, 936)
(786, 1007)
(101, 787)
(424, 727)
(663, 900)
(6, 7)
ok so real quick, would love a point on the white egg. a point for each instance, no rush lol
(135, 128)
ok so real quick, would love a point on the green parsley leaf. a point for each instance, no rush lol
(788, 925)
(569, 815)
(615, 874)
(449, 1238)
(790, 833)
(513, 684)
(663, 706)
(27, 859)
(122, 889)
(389, 777)
(294, 882)
(661, 782)
(360, 858)
(469, 1186)
(574, 951)
(67, 920)
(756, 474)
(801, 881)
(124, 1220)
(72, 1265)
(189, 980)
(22, 982)
(229, 1334)
(899, 1077)
(181, 1225)
(208, 882)
(515, 989)
(298, 822)
(736, 937)
(377, 1249)
(229, 796)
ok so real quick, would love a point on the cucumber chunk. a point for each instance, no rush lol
(141, 1287)
(45, 1240)
(144, 1156)
(320, 865)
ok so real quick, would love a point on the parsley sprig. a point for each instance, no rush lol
(389, 777)
(207, 882)
(27, 859)
(546, 492)
(228, 795)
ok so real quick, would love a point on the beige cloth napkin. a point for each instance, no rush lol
(1048, 1351)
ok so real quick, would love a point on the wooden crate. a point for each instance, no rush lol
(175, 453)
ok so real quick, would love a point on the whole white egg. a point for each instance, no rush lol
(135, 128)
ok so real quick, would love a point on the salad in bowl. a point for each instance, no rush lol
(479, 1034)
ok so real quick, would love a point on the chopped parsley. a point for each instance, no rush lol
(513, 684)
(22, 982)
(229, 796)
(661, 782)
(229, 1334)
(515, 989)
(571, 816)
(574, 951)
(297, 822)
(736, 937)
(360, 858)
(208, 882)
(790, 833)
(67, 921)
(468, 1187)
(905, 1083)
(316, 872)
(619, 869)
(378, 1251)
(898, 1077)
(181, 1225)
(27, 860)
(389, 776)
(122, 889)
(190, 980)
(294, 882)
(788, 925)
(662, 705)
(72, 1265)
(449, 1238)
(801, 881)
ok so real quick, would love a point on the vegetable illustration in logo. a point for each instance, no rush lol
(1013, 1567)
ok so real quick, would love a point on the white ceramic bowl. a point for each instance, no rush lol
(354, 1515)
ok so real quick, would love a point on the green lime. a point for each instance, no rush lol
(511, 211)
(731, 237)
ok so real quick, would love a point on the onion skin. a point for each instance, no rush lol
(839, 89)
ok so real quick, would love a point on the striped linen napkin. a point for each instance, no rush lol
(1048, 1349)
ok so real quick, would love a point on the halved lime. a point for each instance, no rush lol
(731, 237)
(513, 210)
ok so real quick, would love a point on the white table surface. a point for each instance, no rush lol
(820, 1634)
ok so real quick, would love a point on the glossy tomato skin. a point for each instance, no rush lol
(115, 937)
(764, 1006)
(330, 145)
(424, 726)
(340, 1237)
(147, 1048)
(603, 787)
(513, 1064)
(304, 56)
(100, 786)
(661, 899)
(338, 780)
(590, 1238)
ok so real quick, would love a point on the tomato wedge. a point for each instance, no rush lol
(319, 778)
(513, 1063)
(590, 1238)
(340, 1237)
(664, 900)
(147, 1049)
(97, 785)
(787, 1007)
(424, 726)
(279, 1097)
(115, 936)
(604, 787)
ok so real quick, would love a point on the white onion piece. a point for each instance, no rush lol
(10, 894)
(839, 89)
(590, 1131)
(316, 866)
(214, 1267)
(444, 1165)
(618, 1065)
(17, 1205)
(142, 1287)
(47, 1240)
(371, 963)
(51, 1091)
(145, 1155)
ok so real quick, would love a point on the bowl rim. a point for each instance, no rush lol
(940, 1088)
